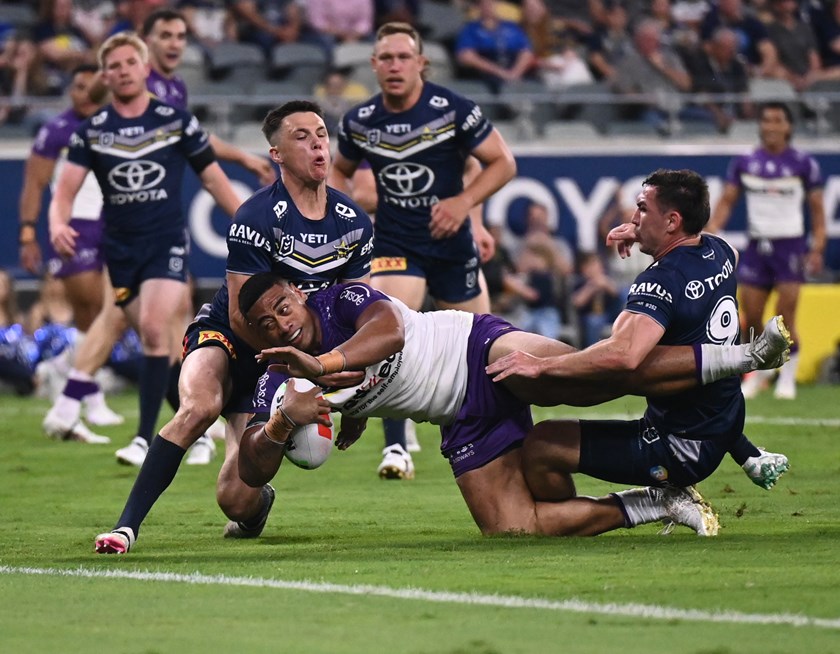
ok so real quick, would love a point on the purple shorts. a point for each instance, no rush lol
(767, 262)
(491, 420)
(88, 250)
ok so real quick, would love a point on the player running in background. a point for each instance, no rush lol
(299, 227)
(165, 34)
(138, 148)
(417, 137)
(777, 180)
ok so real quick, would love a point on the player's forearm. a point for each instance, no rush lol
(493, 177)
(218, 185)
(602, 361)
(59, 211)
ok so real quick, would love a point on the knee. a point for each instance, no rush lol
(236, 500)
(192, 419)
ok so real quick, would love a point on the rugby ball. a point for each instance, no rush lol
(310, 445)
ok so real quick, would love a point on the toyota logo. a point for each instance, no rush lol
(136, 175)
(694, 290)
(406, 179)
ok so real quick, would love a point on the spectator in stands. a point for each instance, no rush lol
(268, 22)
(716, 68)
(18, 70)
(15, 368)
(654, 69)
(336, 94)
(597, 299)
(825, 20)
(754, 43)
(131, 14)
(610, 43)
(495, 50)
(675, 34)
(340, 21)
(797, 47)
(61, 44)
(209, 21)
(396, 11)
(538, 264)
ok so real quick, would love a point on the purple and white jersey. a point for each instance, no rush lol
(169, 90)
(426, 381)
(51, 143)
(775, 186)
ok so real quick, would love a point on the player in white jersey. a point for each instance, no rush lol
(432, 367)
(777, 181)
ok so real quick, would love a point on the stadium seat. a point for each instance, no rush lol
(241, 63)
(440, 62)
(17, 15)
(440, 21)
(298, 62)
(566, 130)
(763, 90)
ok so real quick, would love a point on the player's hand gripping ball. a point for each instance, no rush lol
(309, 445)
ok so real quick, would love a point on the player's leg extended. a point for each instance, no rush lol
(788, 299)
(85, 295)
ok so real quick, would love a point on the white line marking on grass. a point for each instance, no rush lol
(648, 611)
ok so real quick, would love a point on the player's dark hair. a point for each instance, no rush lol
(780, 106)
(84, 68)
(255, 287)
(274, 118)
(160, 14)
(684, 191)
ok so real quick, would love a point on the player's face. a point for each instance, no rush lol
(125, 73)
(774, 129)
(79, 93)
(303, 147)
(650, 221)
(398, 65)
(281, 318)
(166, 42)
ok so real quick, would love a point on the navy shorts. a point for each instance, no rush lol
(208, 330)
(451, 281)
(131, 261)
(88, 250)
(767, 262)
(492, 421)
(632, 452)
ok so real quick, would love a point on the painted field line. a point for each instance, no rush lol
(648, 611)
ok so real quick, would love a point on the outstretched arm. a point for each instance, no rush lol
(36, 176)
(259, 166)
(62, 236)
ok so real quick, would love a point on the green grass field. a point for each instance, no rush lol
(349, 563)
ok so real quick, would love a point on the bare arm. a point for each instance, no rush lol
(259, 166)
(62, 236)
(723, 209)
(36, 177)
(341, 174)
(213, 178)
(483, 239)
(499, 168)
(634, 337)
(814, 262)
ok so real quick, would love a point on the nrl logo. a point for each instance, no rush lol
(286, 246)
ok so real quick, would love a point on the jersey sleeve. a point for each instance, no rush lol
(196, 144)
(48, 143)
(249, 242)
(733, 172)
(813, 178)
(346, 146)
(473, 126)
(653, 293)
(359, 264)
(78, 149)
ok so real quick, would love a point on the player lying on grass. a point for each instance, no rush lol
(431, 367)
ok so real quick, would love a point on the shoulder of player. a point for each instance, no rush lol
(343, 205)
(259, 206)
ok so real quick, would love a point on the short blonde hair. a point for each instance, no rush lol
(118, 40)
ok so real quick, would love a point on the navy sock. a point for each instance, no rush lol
(394, 431)
(156, 473)
(172, 396)
(742, 449)
(154, 375)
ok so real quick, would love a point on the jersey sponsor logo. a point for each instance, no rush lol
(438, 102)
(716, 280)
(136, 180)
(163, 111)
(694, 290)
(388, 264)
(472, 120)
(313, 239)
(344, 211)
(365, 112)
(122, 294)
(134, 130)
(651, 289)
(355, 294)
(193, 127)
(659, 473)
(407, 179)
(462, 453)
(368, 247)
(247, 236)
(261, 396)
(280, 208)
(217, 337)
(99, 118)
(398, 128)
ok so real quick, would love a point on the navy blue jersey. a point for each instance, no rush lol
(691, 292)
(139, 164)
(268, 233)
(417, 157)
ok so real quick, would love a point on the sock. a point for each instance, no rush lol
(172, 396)
(153, 376)
(156, 473)
(394, 431)
(787, 373)
(639, 506)
(742, 449)
(717, 362)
